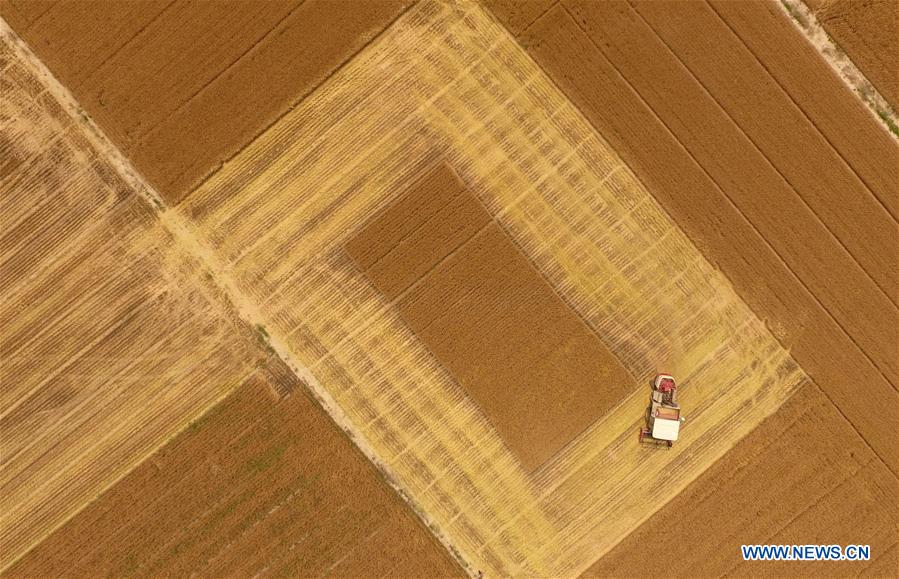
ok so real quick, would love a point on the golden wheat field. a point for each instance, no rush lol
(460, 91)
(112, 337)
(406, 323)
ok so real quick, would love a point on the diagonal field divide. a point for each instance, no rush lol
(111, 337)
(447, 84)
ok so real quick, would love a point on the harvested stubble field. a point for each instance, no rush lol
(461, 92)
(837, 317)
(641, 73)
(114, 339)
(398, 229)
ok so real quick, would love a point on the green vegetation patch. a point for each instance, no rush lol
(889, 122)
(265, 460)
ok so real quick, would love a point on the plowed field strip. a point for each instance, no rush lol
(801, 155)
(723, 233)
(840, 116)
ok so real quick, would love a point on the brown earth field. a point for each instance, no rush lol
(868, 30)
(181, 86)
(256, 485)
(533, 366)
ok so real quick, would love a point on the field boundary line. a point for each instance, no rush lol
(839, 61)
(851, 425)
(122, 46)
(803, 111)
(42, 14)
(185, 239)
(755, 145)
(538, 17)
(730, 202)
(300, 98)
(142, 136)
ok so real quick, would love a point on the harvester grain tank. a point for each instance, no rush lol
(663, 420)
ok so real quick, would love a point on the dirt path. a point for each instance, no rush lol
(866, 32)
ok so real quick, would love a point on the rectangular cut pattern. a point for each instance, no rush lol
(531, 364)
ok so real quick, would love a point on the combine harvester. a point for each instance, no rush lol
(663, 418)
